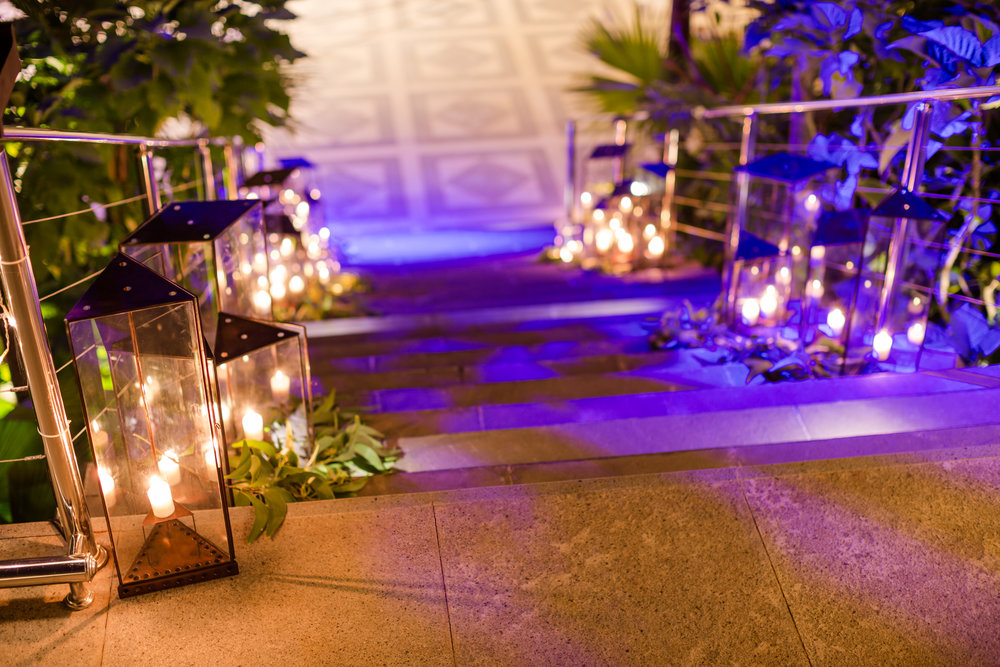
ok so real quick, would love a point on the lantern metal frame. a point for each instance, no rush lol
(172, 552)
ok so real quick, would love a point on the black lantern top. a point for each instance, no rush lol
(839, 227)
(126, 285)
(237, 336)
(186, 222)
(754, 247)
(785, 167)
(609, 151)
(904, 204)
(273, 177)
(660, 169)
(279, 223)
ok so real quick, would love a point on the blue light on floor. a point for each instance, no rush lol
(426, 246)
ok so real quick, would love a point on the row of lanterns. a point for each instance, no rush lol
(179, 350)
(861, 277)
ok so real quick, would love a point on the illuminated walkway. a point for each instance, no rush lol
(575, 499)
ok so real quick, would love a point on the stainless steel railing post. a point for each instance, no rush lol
(22, 297)
(570, 198)
(668, 209)
(913, 170)
(738, 218)
(207, 171)
(232, 178)
(149, 186)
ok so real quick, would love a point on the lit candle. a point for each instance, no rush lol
(815, 289)
(784, 275)
(287, 247)
(169, 469)
(769, 302)
(751, 311)
(915, 333)
(160, 498)
(278, 291)
(107, 485)
(882, 345)
(625, 243)
(279, 386)
(604, 239)
(296, 284)
(656, 246)
(262, 301)
(211, 460)
(253, 425)
(625, 205)
(835, 320)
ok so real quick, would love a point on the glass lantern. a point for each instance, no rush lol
(290, 190)
(902, 254)
(776, 199)
(140, 361)
(215, 249)
(759, 303)
(263, 378)
(832, 283)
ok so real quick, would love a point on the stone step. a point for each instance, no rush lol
(747, 461)
(519, 391)
(698, 430)
(492, 366)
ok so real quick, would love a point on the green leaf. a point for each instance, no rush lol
(277, 503)
(260, 517)
(370, 456)
(241, 469)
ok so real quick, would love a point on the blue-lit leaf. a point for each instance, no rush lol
(911, 24)
(935, 78)
(882, 31)
(841, 63)
(844, 193)
(959, 41)
(991, 52)
(755, 34)
(828, 15)
(858, 125)
(794, 47)
(794, 21)
(854, 24)
(941, 55)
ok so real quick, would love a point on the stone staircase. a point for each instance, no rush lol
(562, 380)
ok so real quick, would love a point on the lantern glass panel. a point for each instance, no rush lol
(782, 207)
(216, 250)
(263, 378)
(143, 379)
(897, 284)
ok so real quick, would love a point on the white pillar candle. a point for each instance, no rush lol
(280, 384)
(915, 333)
(882, 345)
(751, 311)
(211, 460)
(815, 289)
(169, 469)
(107, 481)
(835, 320)
(769, 302)
(253, 425)
(160, 498)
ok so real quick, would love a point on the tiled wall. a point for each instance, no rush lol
(431, 113)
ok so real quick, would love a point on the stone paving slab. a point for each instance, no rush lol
(589, 575)
(893, 565)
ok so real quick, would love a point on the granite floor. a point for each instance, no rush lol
(888, 559)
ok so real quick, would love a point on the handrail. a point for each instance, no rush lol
(974, 92)
(35, 134)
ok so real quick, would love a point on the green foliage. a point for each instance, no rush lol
(344, 455)
(772, 358)
(106, 66)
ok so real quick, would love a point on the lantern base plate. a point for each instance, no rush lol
(174, 555)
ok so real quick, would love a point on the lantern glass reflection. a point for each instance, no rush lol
(140, 362)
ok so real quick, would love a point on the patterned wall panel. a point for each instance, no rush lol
(437, 112)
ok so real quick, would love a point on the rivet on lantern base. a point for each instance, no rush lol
(174, 555)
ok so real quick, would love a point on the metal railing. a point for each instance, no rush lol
(749, 116)
(84, 556)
